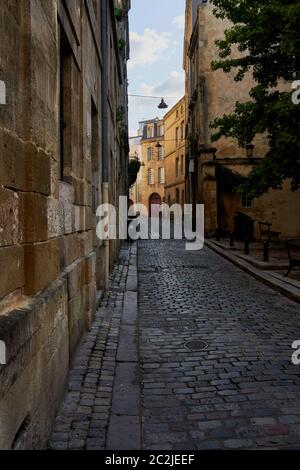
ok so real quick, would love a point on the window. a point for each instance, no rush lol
(65, 58)
(161, 175)
(247, 202)
(150, 176)
(150, 153)
(181, 165)
(161, 130)
(182, 131)
(177, 135)
(181, 109)
(177, 113)
(150, 132)
(160, 153)
(177, 167)
(177, 196)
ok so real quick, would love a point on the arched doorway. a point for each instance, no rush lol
(154, 200)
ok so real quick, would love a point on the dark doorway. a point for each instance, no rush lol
(154, 200)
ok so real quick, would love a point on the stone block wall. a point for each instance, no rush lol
(52, 264)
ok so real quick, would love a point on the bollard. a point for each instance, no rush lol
(246, 249)
(266, 251)
(232, 239)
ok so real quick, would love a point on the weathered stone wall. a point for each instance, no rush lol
(52, 262)
(211, 94)
(279, 207)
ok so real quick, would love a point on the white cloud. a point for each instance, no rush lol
(179, 21)
(172, 89)
(148, 48)
(173, 86)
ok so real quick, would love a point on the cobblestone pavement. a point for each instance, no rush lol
(241, 391)
(146, 382)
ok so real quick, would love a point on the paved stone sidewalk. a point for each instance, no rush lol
(241, 391)
(86, 419)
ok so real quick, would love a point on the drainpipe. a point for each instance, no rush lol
(105, 111)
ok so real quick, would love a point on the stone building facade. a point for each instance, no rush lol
(151, 180)
(175, 153)
(211, 94)
(63, 151)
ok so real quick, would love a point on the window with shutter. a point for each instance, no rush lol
(161, 153)
(150, 176)
(161, 175)
(150, 153)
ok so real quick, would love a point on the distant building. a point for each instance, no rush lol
(151, 183)
(175, 154)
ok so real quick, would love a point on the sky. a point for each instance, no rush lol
(155, 66)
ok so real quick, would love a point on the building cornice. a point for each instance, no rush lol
(175, 183)
(150, 140)
(174, 152)
(172, 110)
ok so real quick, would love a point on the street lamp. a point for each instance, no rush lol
(162, 104)
(249, 150)
(158, 145)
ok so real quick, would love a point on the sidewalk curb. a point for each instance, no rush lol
(125, 430)
(261, 276)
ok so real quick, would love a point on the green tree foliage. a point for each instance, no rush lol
(267, 35)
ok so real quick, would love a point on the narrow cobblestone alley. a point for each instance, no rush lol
(206, 363)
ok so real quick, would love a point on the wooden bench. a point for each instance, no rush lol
(293, 247)
(265, 231)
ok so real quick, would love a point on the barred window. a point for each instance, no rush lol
(247, 202)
